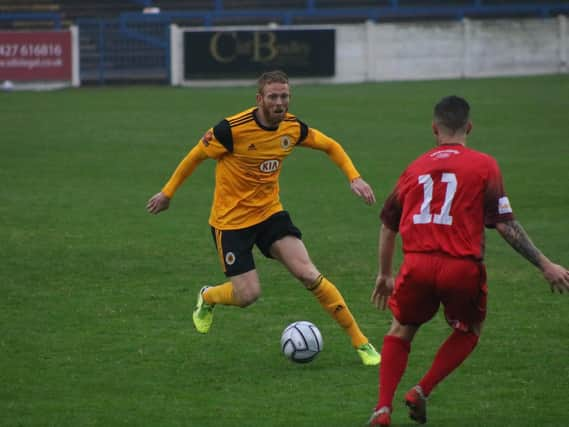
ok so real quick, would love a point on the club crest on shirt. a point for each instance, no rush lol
(230, 258)
(207, 137)
(269, 166)
(286, 142)
(504, 205)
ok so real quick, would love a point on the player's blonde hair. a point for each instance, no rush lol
(276, 76)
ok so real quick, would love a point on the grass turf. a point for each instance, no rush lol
(96, 295)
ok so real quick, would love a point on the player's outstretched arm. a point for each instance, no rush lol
(158, 203)
(161, 201)
(513, 233)
(362, 189)
(319, 141)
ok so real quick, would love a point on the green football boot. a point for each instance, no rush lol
(368, 354)
(203, 313)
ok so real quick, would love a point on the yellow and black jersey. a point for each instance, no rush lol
(249, 160)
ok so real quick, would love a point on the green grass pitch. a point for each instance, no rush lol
(96, 294)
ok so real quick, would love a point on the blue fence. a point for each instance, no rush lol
(314, 11)
(124, 50)
(135, 46)
(52, 17)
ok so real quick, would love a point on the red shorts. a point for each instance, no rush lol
(427, 280)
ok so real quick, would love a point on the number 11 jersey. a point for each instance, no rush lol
(443, 200)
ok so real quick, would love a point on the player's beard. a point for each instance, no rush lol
(274, 116)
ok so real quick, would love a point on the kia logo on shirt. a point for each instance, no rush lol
(269, 166)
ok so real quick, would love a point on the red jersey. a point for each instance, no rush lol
(443, 200)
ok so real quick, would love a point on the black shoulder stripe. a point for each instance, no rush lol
(222, 132)
(241, 122)
(303, 131)
(246, 116)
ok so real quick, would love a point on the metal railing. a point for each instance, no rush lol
(123, 50)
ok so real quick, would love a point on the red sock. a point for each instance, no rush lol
(452, 353)
(394, 356)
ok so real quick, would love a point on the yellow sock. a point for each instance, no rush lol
(220, 294)
(332, 301)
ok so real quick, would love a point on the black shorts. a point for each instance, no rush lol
(235, 247)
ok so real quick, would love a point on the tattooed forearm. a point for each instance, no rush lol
(516, 236)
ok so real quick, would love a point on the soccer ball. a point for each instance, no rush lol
(301, 341)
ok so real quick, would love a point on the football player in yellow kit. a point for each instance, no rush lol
(249, 148)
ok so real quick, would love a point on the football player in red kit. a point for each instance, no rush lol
(440, 206)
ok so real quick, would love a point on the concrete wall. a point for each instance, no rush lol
(416, 51)
(435, 50)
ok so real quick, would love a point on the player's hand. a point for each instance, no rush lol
(557, 276)
(382, 291)
(158, 203)
(362, 189)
